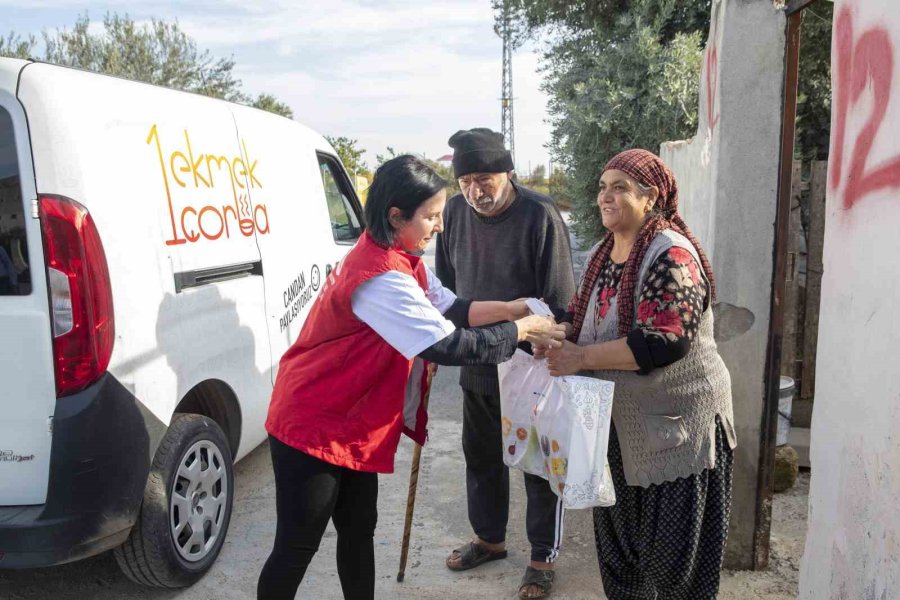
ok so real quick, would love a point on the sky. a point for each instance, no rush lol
(397, 73)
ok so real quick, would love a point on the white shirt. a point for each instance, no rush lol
(407, 317)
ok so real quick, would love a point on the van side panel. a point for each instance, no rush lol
(301, 248)
(165, 177)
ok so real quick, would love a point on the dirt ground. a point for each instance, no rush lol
(440, 524)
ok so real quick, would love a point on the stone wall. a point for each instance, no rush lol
(853, 544)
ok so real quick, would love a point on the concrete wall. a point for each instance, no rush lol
(728, 177)
(853, 543)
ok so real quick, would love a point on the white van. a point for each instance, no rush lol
(159, 251)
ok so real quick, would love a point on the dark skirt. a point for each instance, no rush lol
(665, 541)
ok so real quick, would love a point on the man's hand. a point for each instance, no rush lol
(517, 309)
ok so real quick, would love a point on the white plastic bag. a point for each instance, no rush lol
(573, 422)
(523, 380)
(557, 428)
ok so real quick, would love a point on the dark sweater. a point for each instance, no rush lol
(522, 252)
(489, 345)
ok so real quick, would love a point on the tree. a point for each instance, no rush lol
(389, 153)
(558, 189)
(349, 154)
(619, 74)
(538, 175)
(624, 73)
(17, 47)
(445, 171)
(814, 85)
(273, 105)
(158, 52)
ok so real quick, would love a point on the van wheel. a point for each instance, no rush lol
(186, 509)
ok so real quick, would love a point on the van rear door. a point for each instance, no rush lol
(27, 385)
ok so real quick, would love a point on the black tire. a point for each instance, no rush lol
(151, 556)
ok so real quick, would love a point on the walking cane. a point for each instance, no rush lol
(413, 485)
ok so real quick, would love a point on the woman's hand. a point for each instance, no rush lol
(567, 359)
(540, 349)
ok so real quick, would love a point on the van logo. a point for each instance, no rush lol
(203, 171)
(297, 295)
(10, 456)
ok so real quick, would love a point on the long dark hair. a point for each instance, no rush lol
(404, 182)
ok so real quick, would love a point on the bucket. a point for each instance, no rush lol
(785, 397)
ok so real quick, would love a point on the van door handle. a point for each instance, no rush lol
(198, 277)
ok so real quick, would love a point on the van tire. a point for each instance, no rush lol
(149, 556)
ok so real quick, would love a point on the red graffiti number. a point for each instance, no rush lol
(867, 61)
(712, 80)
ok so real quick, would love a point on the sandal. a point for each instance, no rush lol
(471, 555)
(542, 579)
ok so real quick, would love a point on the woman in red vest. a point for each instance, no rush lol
(355, 378)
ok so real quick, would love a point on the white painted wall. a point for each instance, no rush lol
(853, 544)
(728, 179)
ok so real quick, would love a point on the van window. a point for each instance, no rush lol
(345, 221)
(15, 277)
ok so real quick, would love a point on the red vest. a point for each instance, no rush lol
(341, 389)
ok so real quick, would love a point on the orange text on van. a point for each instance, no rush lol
(210, 222)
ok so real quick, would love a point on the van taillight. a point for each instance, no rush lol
(80, 294)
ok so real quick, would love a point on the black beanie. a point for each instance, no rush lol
(479, 150)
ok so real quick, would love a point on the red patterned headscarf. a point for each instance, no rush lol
(648, 169)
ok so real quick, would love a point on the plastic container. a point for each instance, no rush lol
(785, 399)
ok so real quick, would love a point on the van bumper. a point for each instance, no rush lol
(99, 462)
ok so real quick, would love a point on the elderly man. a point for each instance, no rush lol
(501, 241)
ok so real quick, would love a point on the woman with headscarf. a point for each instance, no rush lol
(642, 318)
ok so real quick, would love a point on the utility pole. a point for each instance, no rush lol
(507, 127)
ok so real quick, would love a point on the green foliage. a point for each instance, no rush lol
(538, 176)
(445, 171)
(814, 87)
(14, 46)
(558, 189)
(389, 153)
(273, 105)
(624, 73)
(157, 52)
(349, 154)
(619, 75)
